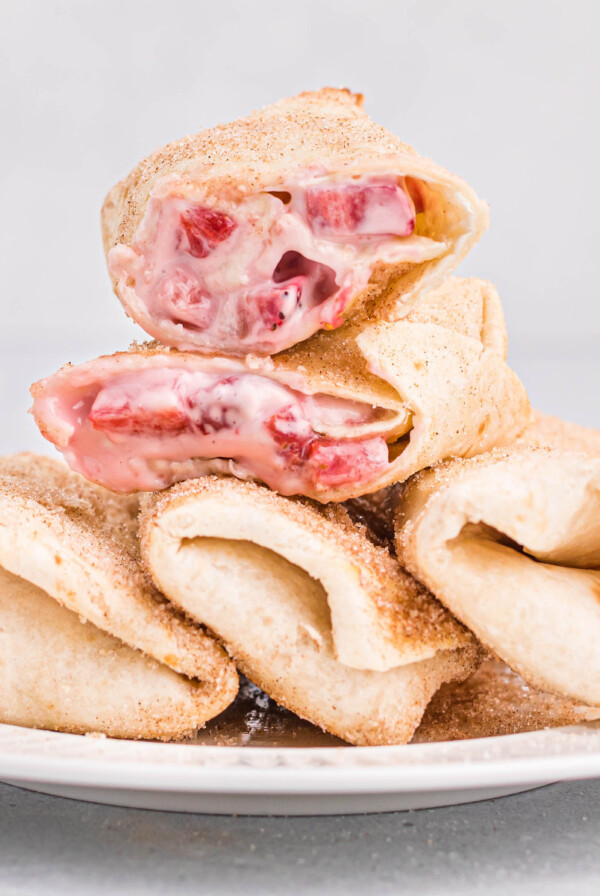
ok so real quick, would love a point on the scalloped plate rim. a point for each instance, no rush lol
(35, 756)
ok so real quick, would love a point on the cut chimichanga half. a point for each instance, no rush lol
(331, 419)
(251, 236)
(510, 543)
(495, 701)
(310, 610)
(87, 643)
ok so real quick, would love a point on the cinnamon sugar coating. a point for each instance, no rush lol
(90, 535)
(324, 131)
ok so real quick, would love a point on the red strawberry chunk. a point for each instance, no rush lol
(376, 209)
(184, 297)
(217, 417)
(291, 433)
(338, 463)
(275, 305)
(138, 420)
(335, 211)
(205, 228)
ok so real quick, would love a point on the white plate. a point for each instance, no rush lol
(286, 780)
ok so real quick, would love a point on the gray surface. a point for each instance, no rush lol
(543, 842)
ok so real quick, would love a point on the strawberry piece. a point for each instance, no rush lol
(138, 420)
(275, 305)
(376, 209)
(205, 228)
(215, 406)
(216, 418)
(335, 210)
(291, 434)
(337, 463)
(183, 295)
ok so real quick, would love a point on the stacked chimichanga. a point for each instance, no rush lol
(339, 416)
(510, 543)
(252, 236)
(309, 608)
(312, 349)
(86, 642)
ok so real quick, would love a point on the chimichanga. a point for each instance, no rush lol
(310, 610)
(87, 643)
(251, 236)
(510, 543)
(337, 417)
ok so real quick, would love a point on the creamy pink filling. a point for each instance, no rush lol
(146, 429)
(359, 210)
(261, 275)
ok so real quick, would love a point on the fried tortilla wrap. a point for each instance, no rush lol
(311, 611)
(510, 543)
(87, 643)
(252, 236)
(337, 417)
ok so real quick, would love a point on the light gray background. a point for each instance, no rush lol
(543, 843)
(504, 93)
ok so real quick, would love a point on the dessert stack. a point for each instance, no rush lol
(312, 356)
